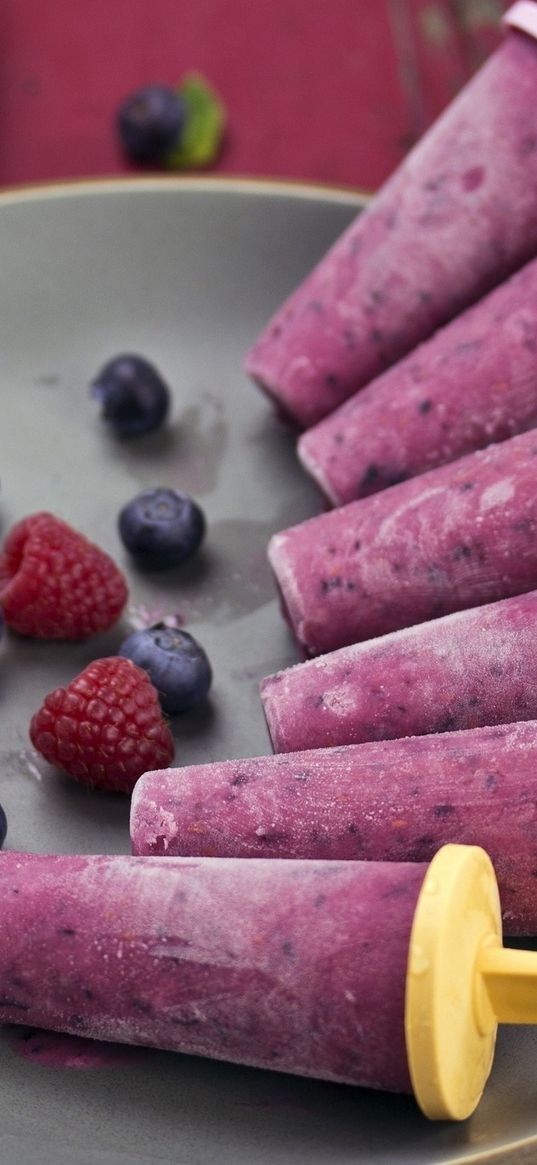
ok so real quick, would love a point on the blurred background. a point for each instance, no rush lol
(333, 91)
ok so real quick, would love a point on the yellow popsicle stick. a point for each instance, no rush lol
(511, 983)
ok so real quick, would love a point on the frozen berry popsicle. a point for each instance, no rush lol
(338, 970)
(473, 383)
(455, 537)
(389, 800)
(243, 961)
(455, 219)
(476, 667)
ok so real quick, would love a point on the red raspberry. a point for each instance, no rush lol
(55, 584)
(106, 728)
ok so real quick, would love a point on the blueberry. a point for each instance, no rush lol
(3, 827)
(175, 662)
(150, 123)
(161, 528)
(134, 397)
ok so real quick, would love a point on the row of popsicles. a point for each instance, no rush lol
(433, 567)
(455, 529)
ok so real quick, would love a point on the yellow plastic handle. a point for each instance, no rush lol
(460, 983)
(510, 979)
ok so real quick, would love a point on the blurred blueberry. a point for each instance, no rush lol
(150, 122)
(134, 397)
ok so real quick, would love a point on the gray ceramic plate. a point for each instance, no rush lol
(185, 272)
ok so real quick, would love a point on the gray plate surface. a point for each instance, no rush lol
(185, 272)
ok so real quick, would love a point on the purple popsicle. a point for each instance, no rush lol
(455, 537)
(390, 800)
(473, 383)
(455, 219)
(295, 966)
(473, 668)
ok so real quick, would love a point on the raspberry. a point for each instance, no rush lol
(55, 584)
(106, 728)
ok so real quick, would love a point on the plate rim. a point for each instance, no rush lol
(302, 190)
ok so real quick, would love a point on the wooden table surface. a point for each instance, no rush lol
(330, 90)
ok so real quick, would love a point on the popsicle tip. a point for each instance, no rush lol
(305, 450)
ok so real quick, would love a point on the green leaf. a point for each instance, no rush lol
(204, 125)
